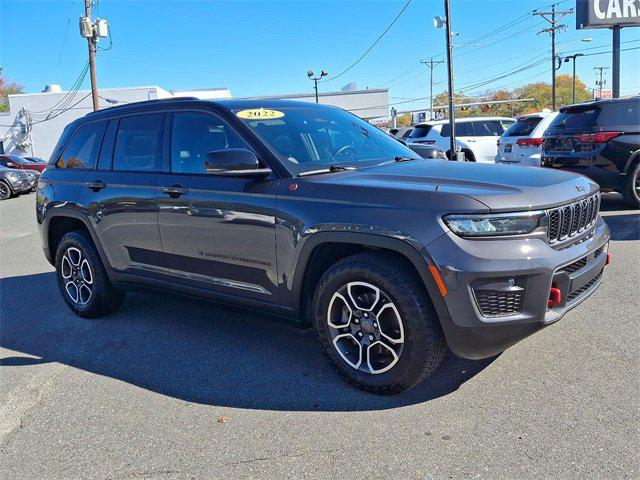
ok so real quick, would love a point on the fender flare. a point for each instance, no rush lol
(420, 262)
(70, 212)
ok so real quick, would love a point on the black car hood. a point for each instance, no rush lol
(500, 187)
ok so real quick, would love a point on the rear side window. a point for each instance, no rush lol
(488, 128)
(138, 145)
(82, 149)
(193, 135)
(420, 131)
(463, 129)
(523, 127)
(621, 114)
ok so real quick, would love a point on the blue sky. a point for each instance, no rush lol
(266, 47)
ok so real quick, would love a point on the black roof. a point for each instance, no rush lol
(235, 104)
(600, 102)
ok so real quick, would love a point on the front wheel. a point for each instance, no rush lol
(376, 324)
(82, 279)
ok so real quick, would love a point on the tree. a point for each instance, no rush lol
(403, 120)
(7, 88)
(564, 92)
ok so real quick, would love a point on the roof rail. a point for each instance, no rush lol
(143, 102)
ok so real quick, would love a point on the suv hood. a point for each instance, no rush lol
(501, 188)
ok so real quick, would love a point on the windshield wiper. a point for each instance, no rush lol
(331, 169)
(403, 159)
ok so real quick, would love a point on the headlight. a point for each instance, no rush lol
(13, 175)
(492, 225)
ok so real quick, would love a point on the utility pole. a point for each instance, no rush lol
(431, 64)
(615, 77)
(553, 17)
(92, 59)
(601, 82)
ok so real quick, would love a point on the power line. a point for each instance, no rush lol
(406, 5)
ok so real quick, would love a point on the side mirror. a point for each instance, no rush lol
(234, 162)
(11, 164)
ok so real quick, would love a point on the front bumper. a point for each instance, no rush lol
(19, 185)
(498, 289)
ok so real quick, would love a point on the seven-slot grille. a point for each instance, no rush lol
(569, 220)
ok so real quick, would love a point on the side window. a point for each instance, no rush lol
(464, 129)
(625, 114)
(82, 149)
(193, 135)
(445, 131)
(488, 128)
(138, 144)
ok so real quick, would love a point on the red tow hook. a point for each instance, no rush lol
(555, 297)
(608, 259)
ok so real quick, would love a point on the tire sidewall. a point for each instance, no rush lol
(409, 363)
(632, 194)
(9, 192)
(77, 240)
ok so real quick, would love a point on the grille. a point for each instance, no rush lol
(575, 266)
(497, 304)
(570, 220)
(575, 294)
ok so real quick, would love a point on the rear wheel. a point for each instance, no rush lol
(82, 279)
(376, 325)
(631, 192)
(5, 190)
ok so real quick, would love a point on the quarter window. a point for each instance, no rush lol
(82, 149)
(138, 145)
(193, 135)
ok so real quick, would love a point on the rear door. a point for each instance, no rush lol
(487, 133)
(119, 194)
(218, 233)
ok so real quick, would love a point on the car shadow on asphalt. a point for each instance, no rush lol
(195, 351)
(624, 227)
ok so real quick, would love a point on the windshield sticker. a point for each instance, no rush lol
(259, 114)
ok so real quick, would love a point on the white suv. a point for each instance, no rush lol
(476, 136)
(522, 143)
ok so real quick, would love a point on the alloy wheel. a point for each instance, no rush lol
(77, 276)
(366, 327)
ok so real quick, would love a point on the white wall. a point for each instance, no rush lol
(46, 132)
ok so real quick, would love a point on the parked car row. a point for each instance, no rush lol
(19, 174)
(599, 139)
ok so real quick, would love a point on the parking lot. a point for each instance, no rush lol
(170, 388)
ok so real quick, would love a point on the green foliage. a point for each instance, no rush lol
(7, 88)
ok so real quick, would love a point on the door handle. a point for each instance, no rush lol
(96, 185)
(175, 191)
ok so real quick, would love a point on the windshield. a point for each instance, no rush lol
(312, 138)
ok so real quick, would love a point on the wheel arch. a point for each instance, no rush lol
(62, 222)
(323, 249)
(634, 159)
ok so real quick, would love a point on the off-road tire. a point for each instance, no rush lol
(104, 299)
(424, 344)
(630, 192)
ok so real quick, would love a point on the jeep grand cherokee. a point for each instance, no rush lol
(308, 212)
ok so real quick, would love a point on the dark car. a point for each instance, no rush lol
(13, 182)
(308, 212)
(15, 161)
(600, 140)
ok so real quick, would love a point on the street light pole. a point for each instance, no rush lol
(315, 80)
(574, 73)
(439, 23)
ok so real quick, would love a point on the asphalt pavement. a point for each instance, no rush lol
(169, 388)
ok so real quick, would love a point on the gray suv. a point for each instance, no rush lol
(308, 212)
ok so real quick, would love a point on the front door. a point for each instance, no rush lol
(218, 233)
